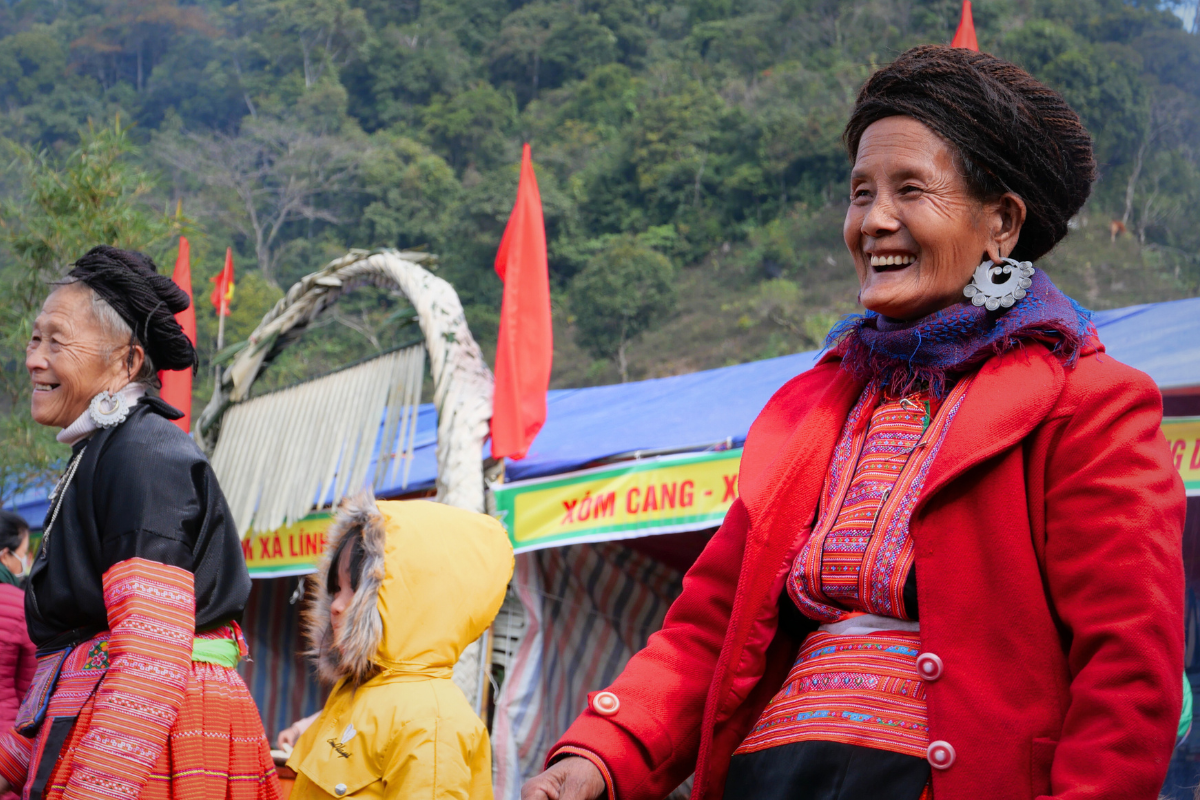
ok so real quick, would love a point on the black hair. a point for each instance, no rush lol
(1011, 132)
(353, 540)
(13, 528)
(147, 301)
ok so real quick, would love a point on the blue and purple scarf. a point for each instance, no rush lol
(905, 356)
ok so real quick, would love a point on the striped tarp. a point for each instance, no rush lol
(280, 680)
(589, 608)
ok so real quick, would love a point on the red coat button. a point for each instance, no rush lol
(940, 754)
(605, 703)
(929, 666)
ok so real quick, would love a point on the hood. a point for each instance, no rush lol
(432, 580)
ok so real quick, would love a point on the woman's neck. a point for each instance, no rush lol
(84, 426)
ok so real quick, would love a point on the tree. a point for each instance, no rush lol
(327, 32)
(137, 28)
(540, 46)
(624, 290)
(469, 128)
(270, 173)
(411, 195)
(93, 196)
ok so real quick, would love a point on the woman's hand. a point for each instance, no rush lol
(573, 778)
(289, 736)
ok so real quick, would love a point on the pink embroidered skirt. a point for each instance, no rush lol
(216, 747)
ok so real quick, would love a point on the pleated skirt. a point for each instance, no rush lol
(216, 749)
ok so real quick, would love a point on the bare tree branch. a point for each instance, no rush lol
(277, 171)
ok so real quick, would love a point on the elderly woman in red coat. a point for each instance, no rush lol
(955, 568)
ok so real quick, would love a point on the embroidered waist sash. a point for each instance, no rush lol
(854, 689)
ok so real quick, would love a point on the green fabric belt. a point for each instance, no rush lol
(216, 651)
(1185, 718)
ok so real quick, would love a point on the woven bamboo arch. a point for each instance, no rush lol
(462, 382)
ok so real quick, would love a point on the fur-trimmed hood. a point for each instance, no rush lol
(432, 580)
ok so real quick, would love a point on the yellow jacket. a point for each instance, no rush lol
(395, 725)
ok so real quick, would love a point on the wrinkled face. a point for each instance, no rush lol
(70, 358)
(913, 227)
(345, 594)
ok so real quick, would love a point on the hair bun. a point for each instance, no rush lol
(1011, 131)
(175, 298)
(130, 282)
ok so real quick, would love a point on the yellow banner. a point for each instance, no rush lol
(293, 550)
(1183, 437)
(639, 498)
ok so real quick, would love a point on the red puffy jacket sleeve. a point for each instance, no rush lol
(650, 746)
(1114, 508)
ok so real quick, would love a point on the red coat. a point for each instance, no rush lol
(18, 658)
(1050, 580)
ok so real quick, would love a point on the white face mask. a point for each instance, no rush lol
(24, 565)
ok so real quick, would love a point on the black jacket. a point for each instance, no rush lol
(142, 490)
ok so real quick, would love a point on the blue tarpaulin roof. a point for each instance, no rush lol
(716, 406)
(584, 425)
(1160, 339)
(32, 504)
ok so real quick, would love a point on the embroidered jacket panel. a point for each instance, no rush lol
(862, 689)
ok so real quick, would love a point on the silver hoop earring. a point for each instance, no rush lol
(999, 285)
(108, 410)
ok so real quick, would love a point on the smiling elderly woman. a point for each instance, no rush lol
(134, 596)
(955, 567)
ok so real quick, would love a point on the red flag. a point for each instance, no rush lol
(177, 384)
(222, 293)
(526, 347)
(965, 35)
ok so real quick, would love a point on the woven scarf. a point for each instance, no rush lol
(905, 356)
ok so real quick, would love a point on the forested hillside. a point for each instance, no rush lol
(688, 153)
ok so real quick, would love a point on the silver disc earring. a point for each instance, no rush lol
(999, 285)
(108, 410)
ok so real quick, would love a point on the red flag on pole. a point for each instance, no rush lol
(222, 295)
(177, 384)
(526, 347)
(222, 292)
(965, 35)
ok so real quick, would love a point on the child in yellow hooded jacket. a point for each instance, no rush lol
(404, 586)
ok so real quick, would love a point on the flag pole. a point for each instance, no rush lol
(221, 321)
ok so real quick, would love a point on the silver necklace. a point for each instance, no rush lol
(59, 494)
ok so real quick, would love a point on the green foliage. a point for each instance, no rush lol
(626, 289)
(412, 195)
(703, 132)
(95, 195)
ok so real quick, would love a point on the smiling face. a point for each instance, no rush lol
(71, 358)
(914, 228)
